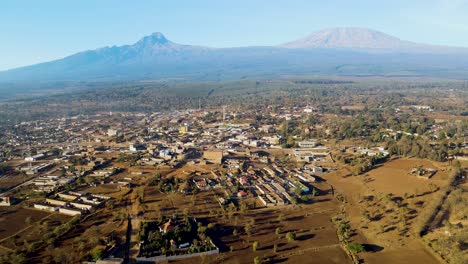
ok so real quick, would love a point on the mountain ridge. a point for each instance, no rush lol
(364, 38)
(363, 51)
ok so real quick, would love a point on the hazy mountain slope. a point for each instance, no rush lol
(345, 51)
(365, 39)
(349, 38)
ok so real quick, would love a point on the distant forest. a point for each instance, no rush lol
(327, 95)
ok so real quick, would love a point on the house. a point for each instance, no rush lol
(307, 144)
(183, 129)
(113, 132)
(243, 180)
(56, 202)
(5, 201)
(136, 147)
(68, 211)
(242, 194)
(110, 261)
(45, 207)
(201, 183)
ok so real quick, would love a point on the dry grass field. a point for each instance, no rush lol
(35, 231)
(13, 219)
(383, 206)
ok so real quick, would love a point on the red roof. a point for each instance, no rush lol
(242, 193)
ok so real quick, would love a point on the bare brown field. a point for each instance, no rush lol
(394, 177)
(111, 190)
(13, 219)
(35, 231)
(12, 179)
(353, 107)
(383, 205)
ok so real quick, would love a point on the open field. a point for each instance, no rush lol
(12, 179)
(93, 229)
(394, 177)
(383, 206)
(36, 231)
(13, 219)
(315, 233)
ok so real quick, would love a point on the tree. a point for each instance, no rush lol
(248, 229)
(278, 231)
(96, 253)
(314, 192)
(254, 246)
(356, 247)
(258, 260)
(280, 217)
(290, 236)
(275, 248)
(61, 257)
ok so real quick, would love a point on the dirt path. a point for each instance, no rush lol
(131, 252)
(306, 250)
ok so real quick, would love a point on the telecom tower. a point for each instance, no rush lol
(30, 155)
(224, 112)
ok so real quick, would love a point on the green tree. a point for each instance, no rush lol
(258, 260)
(290, 236)
(96, 253)
(254, 246)
(356, 247)
(278, 231)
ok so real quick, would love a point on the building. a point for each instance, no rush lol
(307, 144)
(56, 202)
(242, 194)
(5, 201)
(110, 261)
(35, 157)
(45, 207)
(37, 169)
(136, 147)
(183, 129)
(68, 211)
(113, 132)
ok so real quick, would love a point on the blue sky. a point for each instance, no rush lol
(35, 31)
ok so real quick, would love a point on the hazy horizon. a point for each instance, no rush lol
(61, 29)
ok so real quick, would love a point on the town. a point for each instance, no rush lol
(204, 183)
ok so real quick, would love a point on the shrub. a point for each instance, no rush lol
(356, 247)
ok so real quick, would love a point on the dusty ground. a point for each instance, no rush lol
(392, 198)
(35, 231)
(13, 219)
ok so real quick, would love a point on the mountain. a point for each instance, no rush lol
(338, 51)
(350, 38)
(365, 39)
